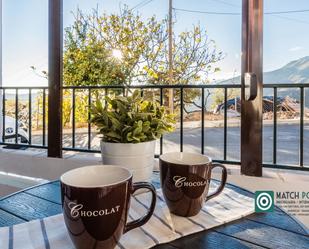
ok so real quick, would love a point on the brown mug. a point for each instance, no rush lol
(185, 179)
(96, 201)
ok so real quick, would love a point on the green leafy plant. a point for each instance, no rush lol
(131, 119)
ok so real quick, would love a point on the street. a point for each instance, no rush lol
(287, 142)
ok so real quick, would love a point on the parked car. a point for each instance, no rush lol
(22, 132)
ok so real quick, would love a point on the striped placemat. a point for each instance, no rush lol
(51, 233)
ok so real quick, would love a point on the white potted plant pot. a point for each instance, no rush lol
(137, 157)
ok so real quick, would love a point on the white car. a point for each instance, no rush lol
(22, 132)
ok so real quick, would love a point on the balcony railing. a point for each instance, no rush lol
(16, 98)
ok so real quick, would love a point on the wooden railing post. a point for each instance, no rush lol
(55, 52)
(251, 110)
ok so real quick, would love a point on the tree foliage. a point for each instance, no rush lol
(143, 45)
(91, 40)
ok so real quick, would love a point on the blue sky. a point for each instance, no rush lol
(25, 31)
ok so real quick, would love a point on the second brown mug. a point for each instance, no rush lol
(185, 179)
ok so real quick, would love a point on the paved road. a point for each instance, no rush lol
(288, 142)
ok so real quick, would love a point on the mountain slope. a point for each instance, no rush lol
(296, 71)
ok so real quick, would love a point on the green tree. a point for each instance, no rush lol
(126, 49)
(143, 48)
(87, 60)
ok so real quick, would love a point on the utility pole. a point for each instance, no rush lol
(170, 55)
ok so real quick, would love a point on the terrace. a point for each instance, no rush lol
(44, 134)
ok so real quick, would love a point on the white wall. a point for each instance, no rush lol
(23, 169)
(38, 165)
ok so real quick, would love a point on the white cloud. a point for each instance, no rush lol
(296, 48)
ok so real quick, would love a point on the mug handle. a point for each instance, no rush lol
(141, 221)
(223, 180)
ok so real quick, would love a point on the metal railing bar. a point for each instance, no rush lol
(89, 117)
(105, 94)
(23, 87)
(301, 131)
(161, 139)
(226, 161)
(30, 116)
(275, 126)
(225, 125)
(279, 166)
(285, 85)
(16, 116)
(44, 117)
(81, 150)
(3, 117)
(181, 119)
(73, 118)
(203, 122)
(270, 85)
(26, 145)
(156, 86)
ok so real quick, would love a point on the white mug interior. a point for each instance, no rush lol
(185, 158)
(95, 176)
